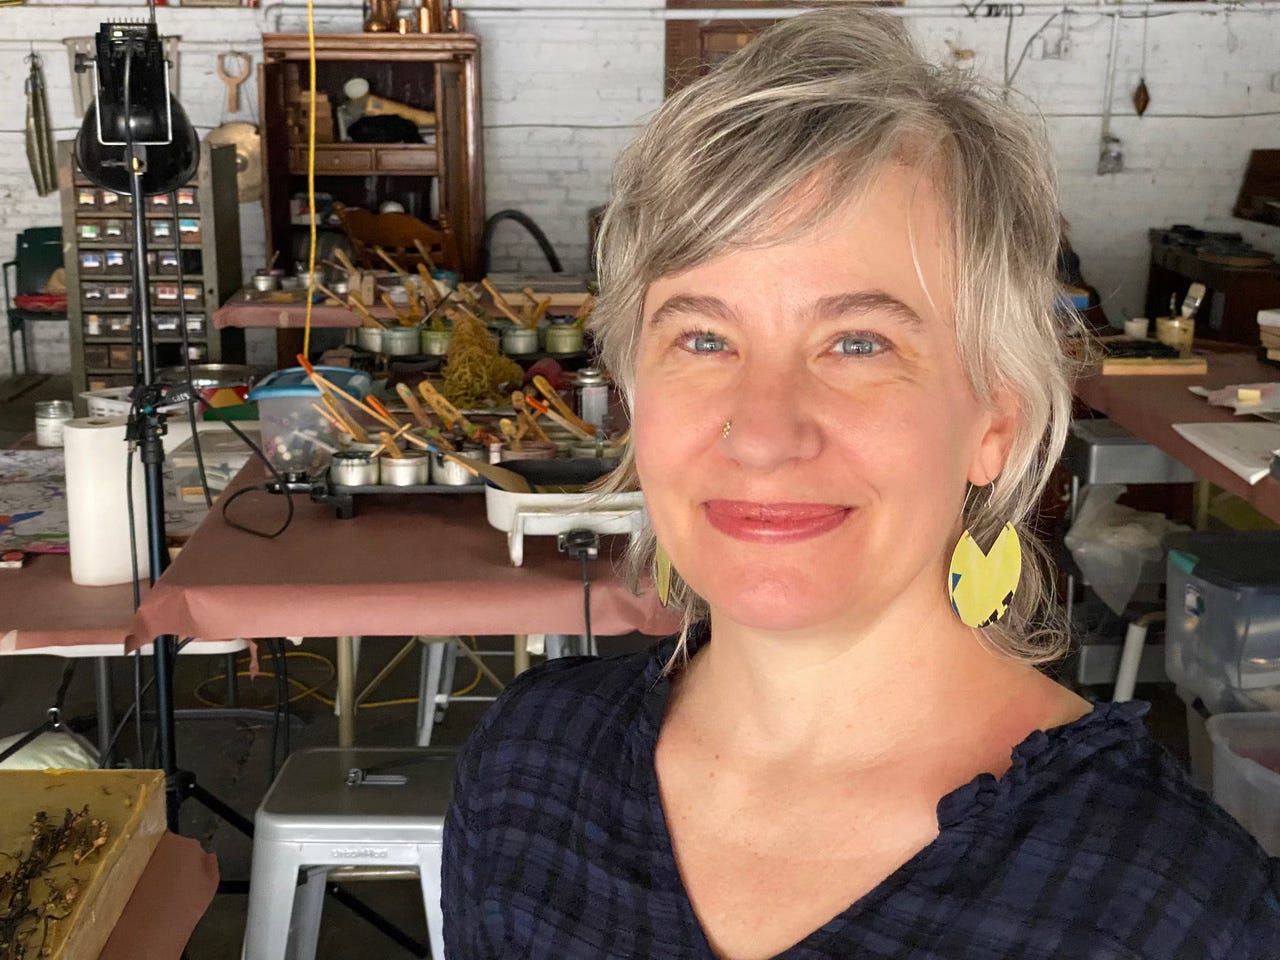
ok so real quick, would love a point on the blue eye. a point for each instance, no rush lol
(859, 345)
(704, 343)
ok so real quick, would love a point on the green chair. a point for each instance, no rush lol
(39, 255)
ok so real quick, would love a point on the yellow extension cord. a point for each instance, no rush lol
(313, 692)
(311, 174)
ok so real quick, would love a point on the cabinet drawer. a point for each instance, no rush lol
(344, 159)
(409, 159)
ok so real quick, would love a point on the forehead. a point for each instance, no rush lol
(893, 236)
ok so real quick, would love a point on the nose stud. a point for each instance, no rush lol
(724, 431)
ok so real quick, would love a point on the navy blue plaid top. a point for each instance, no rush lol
(1093, 845)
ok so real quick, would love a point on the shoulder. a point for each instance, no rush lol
(1103, 827)
(557, 721)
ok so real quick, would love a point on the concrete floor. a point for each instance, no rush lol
(232, 758)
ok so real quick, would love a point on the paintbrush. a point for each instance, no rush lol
(500, 302)
(545, 411)
(553, 397)
(524, 416)
(426, 256)
(319, 380)
(400, 271)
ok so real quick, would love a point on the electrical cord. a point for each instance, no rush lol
(586, 601)
(257, 488)
(140, 691)
(186, 346)
(313, 692)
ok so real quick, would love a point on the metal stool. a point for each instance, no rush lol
(1102, 451)
(341, 808)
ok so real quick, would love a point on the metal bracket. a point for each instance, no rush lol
(356, 777)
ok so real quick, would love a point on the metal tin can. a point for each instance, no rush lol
(50, 416)
(410, 469)
(435, 343)
(348, 469)
(450, 474)
(593, 395)
(401, 341)
(517, 341)
(564, 338)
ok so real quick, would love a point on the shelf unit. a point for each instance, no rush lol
(97, 232)
(439, 72)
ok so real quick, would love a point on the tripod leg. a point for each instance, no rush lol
(106, 716)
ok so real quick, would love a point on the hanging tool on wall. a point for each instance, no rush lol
(232, 77)
(1141, 95)
(44, 164)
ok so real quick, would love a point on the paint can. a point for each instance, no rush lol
(50, 416)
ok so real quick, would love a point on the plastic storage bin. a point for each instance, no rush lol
(1246, 772)
(294, 436)
(1222, 638)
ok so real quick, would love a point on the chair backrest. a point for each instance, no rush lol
(395, 233)
(39, 255)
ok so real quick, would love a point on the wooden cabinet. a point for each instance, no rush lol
(441, 177)
(193, 253)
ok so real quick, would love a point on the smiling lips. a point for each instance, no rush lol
(774, 522)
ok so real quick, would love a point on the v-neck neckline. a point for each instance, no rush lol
(953, 809)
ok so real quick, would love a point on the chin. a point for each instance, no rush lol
(775, 604)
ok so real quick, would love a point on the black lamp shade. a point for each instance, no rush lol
(169, 165)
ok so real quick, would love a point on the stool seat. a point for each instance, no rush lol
(344, 806)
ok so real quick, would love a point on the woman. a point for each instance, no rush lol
(828, 277)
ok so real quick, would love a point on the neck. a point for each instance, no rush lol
(841, 691)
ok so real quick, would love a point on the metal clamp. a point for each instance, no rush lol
(357, 777)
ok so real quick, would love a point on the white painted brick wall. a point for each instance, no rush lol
(562, 95)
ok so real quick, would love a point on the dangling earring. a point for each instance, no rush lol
(982, 584)
(662, 574)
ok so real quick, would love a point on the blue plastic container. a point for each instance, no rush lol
(295, 437)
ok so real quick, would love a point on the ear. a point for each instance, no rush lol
(1000, 427)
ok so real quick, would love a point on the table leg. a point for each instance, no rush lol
(1202, 492)
(520, 653)
(288, 346)
(346, 691)
(106, 715)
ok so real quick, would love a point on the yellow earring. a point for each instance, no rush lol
(662, 574)
(981, 585)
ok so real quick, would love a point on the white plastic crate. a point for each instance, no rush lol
(114, 402)
(1246, 772)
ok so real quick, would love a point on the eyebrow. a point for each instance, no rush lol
(830, 307)
(864, 303)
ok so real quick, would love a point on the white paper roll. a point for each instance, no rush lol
(97, 509)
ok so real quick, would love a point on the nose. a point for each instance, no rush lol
(771, 418)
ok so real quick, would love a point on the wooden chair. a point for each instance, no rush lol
(395, 233)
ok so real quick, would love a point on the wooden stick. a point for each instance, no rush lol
(342, 258)
(519, 402)
(386, 415)
(367, 319)
(510, 432)
(400, 271)
(540, 311)
(319, 380)
(389, 442)
(351, 426)
(553, 397)
(275, 255)
(390, 305)
(501, 304)
(410, 401)
(584, 308)
(545, 411)
(445, 410)
(330, 418)
(423, 252)
(429, 292)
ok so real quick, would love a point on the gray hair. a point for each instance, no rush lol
(815, 107)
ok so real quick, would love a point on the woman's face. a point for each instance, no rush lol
(835, 497)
